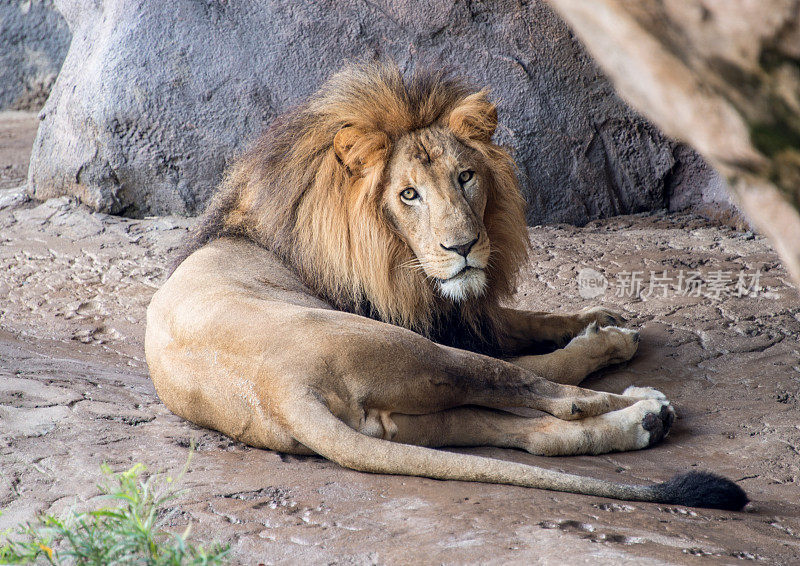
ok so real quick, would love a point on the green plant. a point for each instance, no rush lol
(128, 533)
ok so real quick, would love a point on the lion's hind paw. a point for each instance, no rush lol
(656, 418)
(643, 424)
(644, 393)
(659, 425)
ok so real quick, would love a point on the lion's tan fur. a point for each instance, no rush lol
(293, 322)
(275, 193)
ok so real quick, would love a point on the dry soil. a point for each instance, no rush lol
(74, 393)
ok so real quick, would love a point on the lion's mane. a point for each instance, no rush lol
(292, 194)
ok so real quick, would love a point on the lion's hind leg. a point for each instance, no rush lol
(641, 425)
(316, 427)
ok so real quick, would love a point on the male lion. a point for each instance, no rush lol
(343, 296)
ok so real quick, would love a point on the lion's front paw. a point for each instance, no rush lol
(600, 315)
(643, 424)
(607, 345)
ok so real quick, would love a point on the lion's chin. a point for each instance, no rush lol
(467, 284)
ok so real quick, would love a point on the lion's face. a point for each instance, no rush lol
(435, 200)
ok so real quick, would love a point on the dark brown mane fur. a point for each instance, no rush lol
(293, 195)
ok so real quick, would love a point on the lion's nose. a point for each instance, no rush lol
(461, 249)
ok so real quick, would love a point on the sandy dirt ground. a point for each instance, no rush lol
(74, 393)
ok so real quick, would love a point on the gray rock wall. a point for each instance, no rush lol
(722, 76)
(33, 43)
(155, 98)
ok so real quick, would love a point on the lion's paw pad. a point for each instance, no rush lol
(651, 420)
(658, 424)
(643, 424)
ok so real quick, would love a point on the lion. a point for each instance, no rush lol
(345, 295)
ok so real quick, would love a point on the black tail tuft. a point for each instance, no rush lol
(702, 489)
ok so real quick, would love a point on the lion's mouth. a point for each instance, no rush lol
(463, 271)
(470, 281)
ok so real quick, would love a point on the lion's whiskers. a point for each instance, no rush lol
(414, 262)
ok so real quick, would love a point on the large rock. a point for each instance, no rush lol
(721, 75)
(33, 43)
(155, 98)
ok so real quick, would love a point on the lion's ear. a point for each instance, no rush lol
(358, 149)
(475, 118)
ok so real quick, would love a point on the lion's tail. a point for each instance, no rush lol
(317, 428)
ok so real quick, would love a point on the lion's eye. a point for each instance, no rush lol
(409, 194)
(465, 176)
